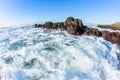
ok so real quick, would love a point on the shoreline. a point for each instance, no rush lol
(75, 26)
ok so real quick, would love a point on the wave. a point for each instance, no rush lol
(28, 53)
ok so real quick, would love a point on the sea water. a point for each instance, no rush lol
(28, 53)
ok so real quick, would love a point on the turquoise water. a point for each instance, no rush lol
(28, 53)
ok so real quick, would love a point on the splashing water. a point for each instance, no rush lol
(28, 53)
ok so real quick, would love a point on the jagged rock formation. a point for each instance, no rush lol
(71, 25)
(75, 27)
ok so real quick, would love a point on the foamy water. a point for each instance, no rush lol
(28, 53)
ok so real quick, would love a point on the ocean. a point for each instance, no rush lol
(28, 53)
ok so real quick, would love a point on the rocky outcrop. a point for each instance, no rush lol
(93, 32)
(113, 37)
(71, 25)
(75, 27)
(114, 27)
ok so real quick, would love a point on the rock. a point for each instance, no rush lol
(71, 25)
(105, 34)
(70, 19)
(92, 31)
(38, 25)
(48, 25)
(59, 25)
(114, 27)
(116, 34)
(75, 27)
(113, 37)
(79, 22)
(73, 22)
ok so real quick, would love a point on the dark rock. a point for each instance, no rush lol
(71, 25)
(59, 25)
(75, 27)
(105, 34)
(48, 25)
(93, 32)
(38, 25)
(70, 19)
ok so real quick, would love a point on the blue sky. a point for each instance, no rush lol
(16, 12)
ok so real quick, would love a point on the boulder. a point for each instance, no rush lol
(59, 25)
(48, 25)
(93, 32)
(74, 26)
(38, 25)
(113, 37)
(70, 19)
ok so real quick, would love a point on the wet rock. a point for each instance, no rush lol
(70, 19)
(75, 27)
(114, 27)
(59, 25)
(105, 34)
(38, 25)
(71, 25)
(93, 32)
(113, 37)
(73, 22)
(48, 25)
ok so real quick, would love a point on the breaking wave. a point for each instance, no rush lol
(28, 53)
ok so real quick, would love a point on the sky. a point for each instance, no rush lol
(18, 12)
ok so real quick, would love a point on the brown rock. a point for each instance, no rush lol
(113, 37)
(92, 31)
(105, 34)
(116, 34)
(48, 25)
(59, 25)
(74, 26)
(114, 27)
(70, 19)
(38, 25)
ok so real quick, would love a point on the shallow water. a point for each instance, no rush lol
(28, 53)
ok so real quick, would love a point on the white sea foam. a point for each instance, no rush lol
(28, 53)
